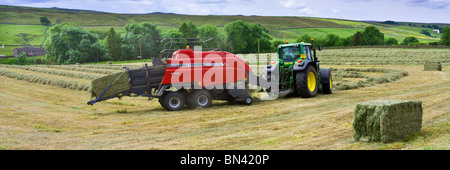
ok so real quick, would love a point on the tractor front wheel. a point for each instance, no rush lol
(306, 82)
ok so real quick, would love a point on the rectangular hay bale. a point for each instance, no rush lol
(432, 66)
(387, 120)
(100, 84)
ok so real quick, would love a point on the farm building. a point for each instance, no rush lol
(31, 51)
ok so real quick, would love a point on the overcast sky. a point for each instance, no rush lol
(428, 11)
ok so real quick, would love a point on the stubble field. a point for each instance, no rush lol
(37, 114)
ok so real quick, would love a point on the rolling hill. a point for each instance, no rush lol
(20, 25)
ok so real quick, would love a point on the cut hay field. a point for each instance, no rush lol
(384, 56)
(36, 115)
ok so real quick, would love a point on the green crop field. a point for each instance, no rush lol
(321, 32)
(7, 50)
(347, 23)
(21, 34)
(280, 28)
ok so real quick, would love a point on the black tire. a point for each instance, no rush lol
(301, 82)
(327, 87)
(173, 101)
(199, 98)
(248, 101)
(160, 100)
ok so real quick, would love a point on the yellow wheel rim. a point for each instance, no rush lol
(311, 81)
(331, 86)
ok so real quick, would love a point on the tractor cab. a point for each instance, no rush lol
(292, 52)
(297, 70)
(290, 56)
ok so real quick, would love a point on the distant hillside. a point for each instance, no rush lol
(28, 15)
(24, 29)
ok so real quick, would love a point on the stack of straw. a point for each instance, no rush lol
(387, 120)
(101, 84)
(432, 66)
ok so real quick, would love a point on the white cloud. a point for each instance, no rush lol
(292, 4)
(433, 4)
(299, 7)
(307, 11)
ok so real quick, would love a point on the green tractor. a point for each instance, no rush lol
(299, 71)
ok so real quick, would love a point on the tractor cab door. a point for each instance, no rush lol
(287, 55)
(310, 56)
(307, 51)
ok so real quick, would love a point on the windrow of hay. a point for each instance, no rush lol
(432, 66)
(76, 68)
(383, 56)
(53, 72)
(387, 120)
(389, 76)
(46, 81)
(99, 85)
(109, 67)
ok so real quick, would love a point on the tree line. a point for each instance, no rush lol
(69, 43)
(371, 36)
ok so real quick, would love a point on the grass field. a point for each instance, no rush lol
(280, 28)
(8, 50)
(21, 34)
(321, 32)
(35, 115)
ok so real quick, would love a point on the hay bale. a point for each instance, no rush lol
(387, 120)
(432, 66)
(100, 84)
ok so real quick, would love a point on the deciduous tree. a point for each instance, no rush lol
(113, 44)
(445, 38)
(244, 37)
(141, 39)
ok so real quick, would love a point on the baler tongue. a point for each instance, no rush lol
(157, 61)
(256, 80)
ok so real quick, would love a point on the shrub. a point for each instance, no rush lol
(22, 59)
(304, 38)
(37, 60)
(410, 41)
(276, 43)
(391, 41)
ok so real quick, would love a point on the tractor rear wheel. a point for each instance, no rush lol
(173, 101)
(199, 98)
(306, 82)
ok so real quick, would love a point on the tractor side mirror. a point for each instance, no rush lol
(320, 48)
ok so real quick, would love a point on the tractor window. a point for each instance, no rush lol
(307, 50)
(289, 54)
